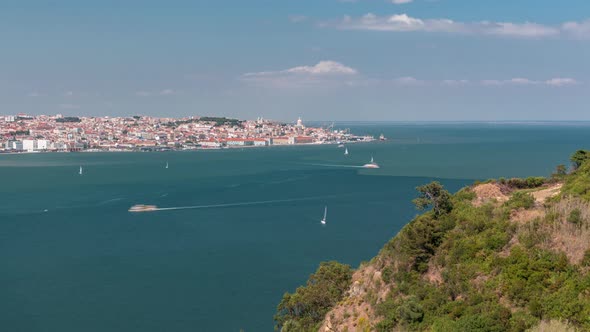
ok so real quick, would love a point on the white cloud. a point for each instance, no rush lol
(455, 82)
(406, 23)
(322, 73)
(323, 68)
(335, 74)
(401, 2)
(521, 30)
(561, 81)
(522, 81)
(68, 94)
(555, 82)
(577, 30)
(408, 81)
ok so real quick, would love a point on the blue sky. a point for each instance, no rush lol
(318, 59)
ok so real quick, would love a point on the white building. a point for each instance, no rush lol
(29, 145)
(260, 142)
(16, 145)
(43, 144)
(211, 143)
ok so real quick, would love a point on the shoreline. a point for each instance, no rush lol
(167, 149)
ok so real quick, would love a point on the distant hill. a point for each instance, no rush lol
(504, 255)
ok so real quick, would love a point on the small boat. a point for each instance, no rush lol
(81, 171)
(340, 145)
(166, 164)
(142, 208)
(371, 164)
(382, 137)
(323, 221)
(346, 152)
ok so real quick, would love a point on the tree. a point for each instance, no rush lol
(579, 158)
(304, 309)
(560, 172)
(434, 195)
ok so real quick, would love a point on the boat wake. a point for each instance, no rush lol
(110, 201)
(332, 165)
(212, 206)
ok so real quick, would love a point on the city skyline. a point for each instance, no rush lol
(331, 60)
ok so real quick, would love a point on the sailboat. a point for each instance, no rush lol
(80, 171)
(166, 164)
(323, 221)
(346, 152)
(372, 164)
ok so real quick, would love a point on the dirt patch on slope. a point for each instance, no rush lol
(488, 192)
(355, 312)
(542, 195)
(523, 216)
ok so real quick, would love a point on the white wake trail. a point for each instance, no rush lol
(331, 165)
(212, 206)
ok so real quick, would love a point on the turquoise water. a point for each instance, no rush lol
(86, 264)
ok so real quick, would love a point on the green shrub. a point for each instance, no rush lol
(304, 309)
(579, 158)
(521, 200)
(528, 183)
(479, 323)
(387, 273)
(410, 311)
(575, 217)
(522, 321)
(577, 184)
(586, 259)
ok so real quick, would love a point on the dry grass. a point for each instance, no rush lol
(552, 326)
(355, 311)
(434, 273)
(573, 239)
(524, 216)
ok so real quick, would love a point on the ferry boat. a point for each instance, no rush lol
(142, 208)
(372, 164)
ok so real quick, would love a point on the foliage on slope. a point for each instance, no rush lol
(578, 183)
(476, 267)
(306, 308)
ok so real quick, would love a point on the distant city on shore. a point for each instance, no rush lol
(57, 133)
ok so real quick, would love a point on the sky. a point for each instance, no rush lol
(369, 60)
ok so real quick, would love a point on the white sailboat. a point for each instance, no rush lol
(372, 164)
(166, 164)
(323, 221)
(81, 170)
(346, 152)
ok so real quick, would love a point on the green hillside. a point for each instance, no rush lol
(505, 255)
